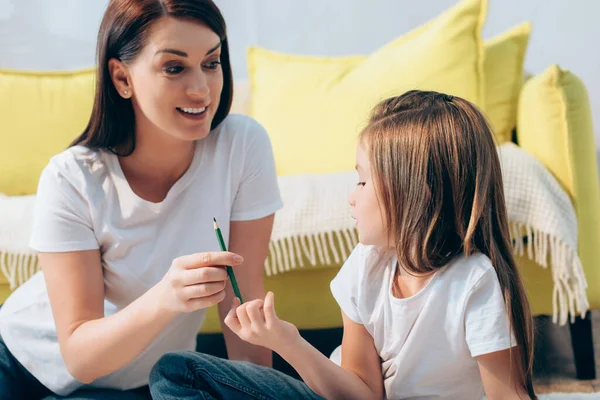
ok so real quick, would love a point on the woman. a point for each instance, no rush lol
(123, 218)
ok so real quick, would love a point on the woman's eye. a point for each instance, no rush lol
(174, 70)
(361, 183)
(213, 64)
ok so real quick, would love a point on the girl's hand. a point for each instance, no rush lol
(256, 323)
(195, 281)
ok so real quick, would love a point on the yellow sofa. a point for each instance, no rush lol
(303, 295)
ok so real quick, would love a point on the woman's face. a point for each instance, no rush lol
(175, 82)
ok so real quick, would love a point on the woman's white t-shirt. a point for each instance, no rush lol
(84, 202)
(427, 342)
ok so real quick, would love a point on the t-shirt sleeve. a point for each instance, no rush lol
(345, 286)
(487, 327)
(258, 192)
(61, 221)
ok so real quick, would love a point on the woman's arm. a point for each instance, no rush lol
(93, 345)
(251, 240)
(360, 374)
(501, 380)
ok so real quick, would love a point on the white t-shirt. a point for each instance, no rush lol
(427, 342)
(84, 202)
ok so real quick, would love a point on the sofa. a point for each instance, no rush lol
(546, 114)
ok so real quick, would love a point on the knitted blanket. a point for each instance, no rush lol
(314, 228)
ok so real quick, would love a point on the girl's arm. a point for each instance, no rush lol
(360, 374)
(501, 380)
(250, 239)
(93, 345)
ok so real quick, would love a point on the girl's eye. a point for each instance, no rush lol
(174, 70)
(213, 64)
(361, 183)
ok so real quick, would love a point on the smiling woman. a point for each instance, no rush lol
(163, 63)
(122, 223)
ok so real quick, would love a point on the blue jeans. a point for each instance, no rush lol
(17, 383)
(192, 375)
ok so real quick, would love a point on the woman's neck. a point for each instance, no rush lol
(156, 164)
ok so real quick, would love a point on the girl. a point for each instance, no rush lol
(432, 302)
(123, 218)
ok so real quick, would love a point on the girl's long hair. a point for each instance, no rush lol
(437, 174)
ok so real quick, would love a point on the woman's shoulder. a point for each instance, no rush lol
(76, 163)
(241, 127)
(239, 121)
(242, 138)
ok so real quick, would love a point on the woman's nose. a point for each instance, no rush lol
(198, 86)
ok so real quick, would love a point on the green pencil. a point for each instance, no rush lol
(236, 290)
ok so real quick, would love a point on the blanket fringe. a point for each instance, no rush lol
(569, 293)
(332, 248)
(18, 267)
(324, 249)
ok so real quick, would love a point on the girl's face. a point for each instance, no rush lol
(176, 80)
(366, 209)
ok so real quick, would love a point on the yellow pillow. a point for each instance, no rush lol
(314, 107)
(504, 56)
(40, 114)
(554, 123)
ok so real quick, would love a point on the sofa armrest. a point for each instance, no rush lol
(554, 123)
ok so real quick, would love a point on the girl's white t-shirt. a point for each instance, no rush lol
(84, 202)
(428, 342)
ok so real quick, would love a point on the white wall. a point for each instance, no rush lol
(61, 34)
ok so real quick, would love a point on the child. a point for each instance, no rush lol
(432, 301)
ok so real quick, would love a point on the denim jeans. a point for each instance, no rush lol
(17, 383)
(192, 375)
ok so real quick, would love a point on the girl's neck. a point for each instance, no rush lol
(407, 284)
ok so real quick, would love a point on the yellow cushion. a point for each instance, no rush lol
(504, 56)
(554, 123)
(314, 107)
(40, 114)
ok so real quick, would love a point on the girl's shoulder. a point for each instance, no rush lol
(469, 271)
(367, 265)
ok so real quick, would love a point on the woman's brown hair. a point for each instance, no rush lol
(437, 174)
(123, 34)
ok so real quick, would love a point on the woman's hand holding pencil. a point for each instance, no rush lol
(195, 281)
